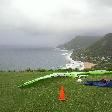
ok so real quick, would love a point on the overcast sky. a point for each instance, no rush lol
(51, 22)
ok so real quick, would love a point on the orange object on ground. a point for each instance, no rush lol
(62, 94)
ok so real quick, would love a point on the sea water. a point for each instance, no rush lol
(34, 58)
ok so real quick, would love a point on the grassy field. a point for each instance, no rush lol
(43, 96)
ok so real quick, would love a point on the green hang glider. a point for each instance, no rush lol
(71, 74)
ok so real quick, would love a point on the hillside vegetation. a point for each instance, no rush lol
(99, 53)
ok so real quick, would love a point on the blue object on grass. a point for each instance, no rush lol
(99, 83)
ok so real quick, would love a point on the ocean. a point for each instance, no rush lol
(34, 58)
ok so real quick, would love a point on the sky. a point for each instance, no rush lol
(49, 23)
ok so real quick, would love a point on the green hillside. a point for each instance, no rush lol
(102, 47)
(80, 42)
(100, 52)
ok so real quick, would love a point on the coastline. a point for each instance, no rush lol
(68, 57)
(85, 65)
(78, 64)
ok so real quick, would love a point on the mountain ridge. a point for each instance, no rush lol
(79, 42)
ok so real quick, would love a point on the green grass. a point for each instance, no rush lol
(43, 96)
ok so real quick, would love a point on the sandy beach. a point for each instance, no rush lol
(88, 65)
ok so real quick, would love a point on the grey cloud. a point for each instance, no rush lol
(48, 23)
(101, 3)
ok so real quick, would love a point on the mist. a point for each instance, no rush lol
(48, 23)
